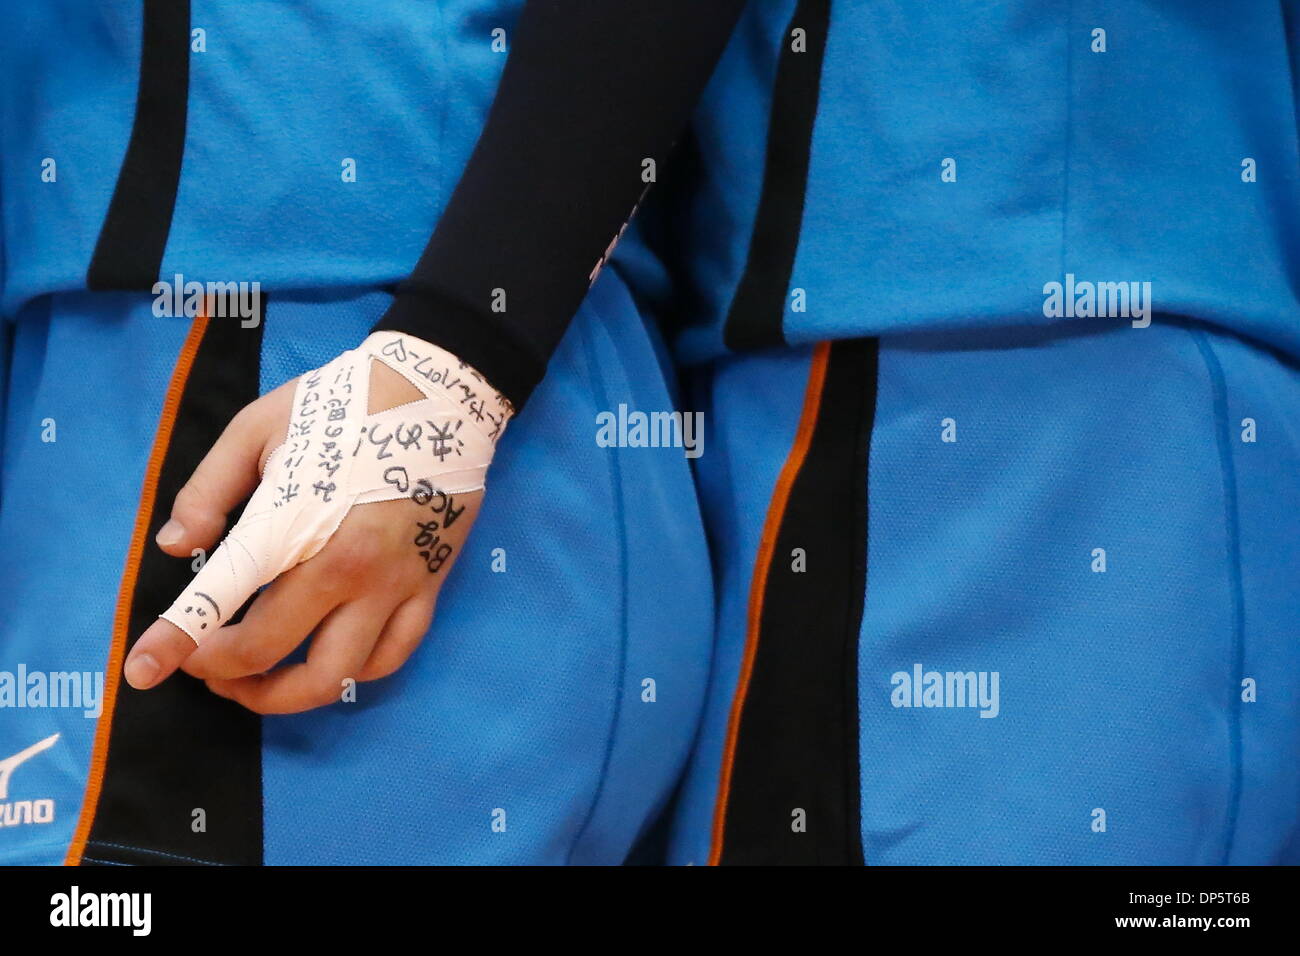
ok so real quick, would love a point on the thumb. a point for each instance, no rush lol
(155, 657)
(224, 583)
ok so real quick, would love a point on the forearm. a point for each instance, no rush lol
(590, 93)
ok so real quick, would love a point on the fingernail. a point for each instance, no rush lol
(141, 671)
(171, 533)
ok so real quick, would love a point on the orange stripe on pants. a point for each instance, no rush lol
(125, 595)
(758, 584)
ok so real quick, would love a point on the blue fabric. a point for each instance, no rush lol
(272, 115)
(72, 102)
(1067, 161)
(752, 406)
(528, 693)
(528, 696)
(1119, 690)
(1115, 166)
(98, 367)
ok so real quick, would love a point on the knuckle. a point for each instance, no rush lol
(189, 500)
(377, 670)
(248, 419)
(322, 691)
(194, 509)
(355, 557)
(247, 657)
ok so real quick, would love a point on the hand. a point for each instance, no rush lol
(368, 595)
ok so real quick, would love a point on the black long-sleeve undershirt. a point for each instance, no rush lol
(589, 92)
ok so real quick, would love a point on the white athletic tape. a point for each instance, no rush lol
(336, 455)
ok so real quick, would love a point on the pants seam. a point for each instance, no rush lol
(1223, 439)
(616, 481)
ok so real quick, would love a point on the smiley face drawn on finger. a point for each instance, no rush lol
(198, 611)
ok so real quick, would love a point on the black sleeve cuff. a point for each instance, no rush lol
(509, 365)
(590, 91)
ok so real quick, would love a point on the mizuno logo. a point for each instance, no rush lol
(24, 811)
(10, 764)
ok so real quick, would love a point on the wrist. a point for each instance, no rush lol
(416, 364)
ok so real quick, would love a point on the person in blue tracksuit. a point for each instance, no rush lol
(993, 311)
(290, 163)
